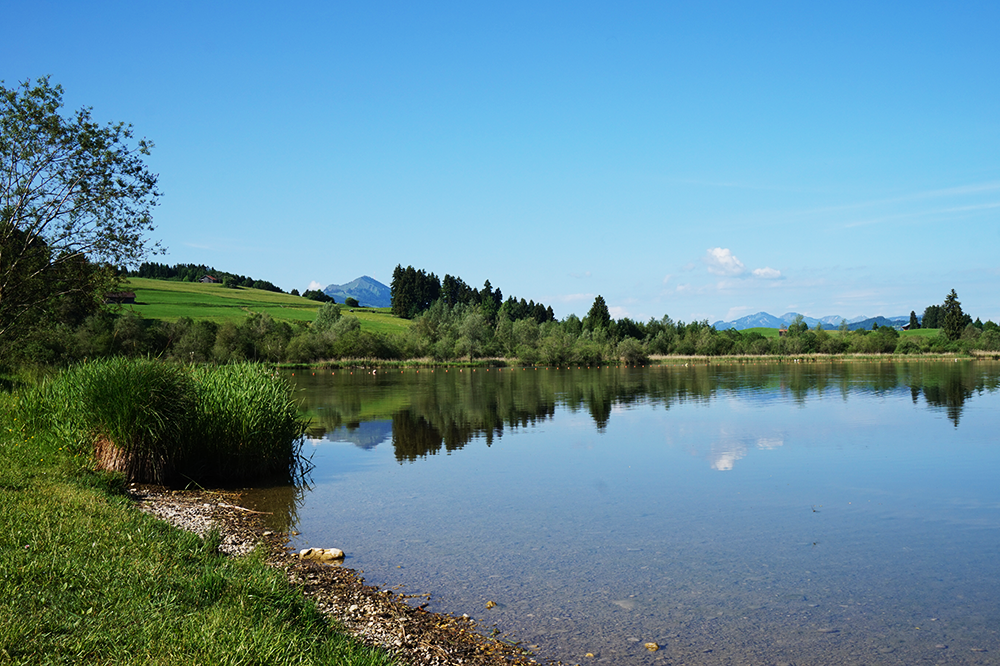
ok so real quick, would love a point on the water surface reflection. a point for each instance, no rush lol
(799, 513)
(439, 410)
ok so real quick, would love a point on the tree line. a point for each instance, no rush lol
(461, 332)
(413, 292)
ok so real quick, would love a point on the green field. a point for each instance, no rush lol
(921, 333)
(168, 300)
(766, 332)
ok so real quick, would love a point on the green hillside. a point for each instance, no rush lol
(169, 300)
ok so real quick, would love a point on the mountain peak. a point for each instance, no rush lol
(368, 291)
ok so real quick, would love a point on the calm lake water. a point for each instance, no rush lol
(733, 514)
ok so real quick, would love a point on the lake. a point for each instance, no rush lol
(732, 513)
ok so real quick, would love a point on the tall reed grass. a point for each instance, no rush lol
(246, 426)
(162, 423)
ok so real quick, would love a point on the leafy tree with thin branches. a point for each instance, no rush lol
(76, 198)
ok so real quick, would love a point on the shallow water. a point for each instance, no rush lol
(732, 514)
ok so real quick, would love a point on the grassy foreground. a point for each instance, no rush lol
(85, 577)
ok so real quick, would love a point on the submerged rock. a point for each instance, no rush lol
(321, 554)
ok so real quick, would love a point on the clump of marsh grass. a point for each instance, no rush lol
(246, 424)
(160, 422)
(135, 412)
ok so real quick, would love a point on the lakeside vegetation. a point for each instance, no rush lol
(87, 578)
(160, 422)
(206, 323)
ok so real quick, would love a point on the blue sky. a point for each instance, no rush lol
(700, 160)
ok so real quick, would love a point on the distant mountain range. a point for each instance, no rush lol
(370, 293)
(765, 320)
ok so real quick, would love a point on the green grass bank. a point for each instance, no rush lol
(85, 577)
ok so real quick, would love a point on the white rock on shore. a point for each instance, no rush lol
(321, 554)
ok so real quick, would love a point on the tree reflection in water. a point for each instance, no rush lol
(431, 411)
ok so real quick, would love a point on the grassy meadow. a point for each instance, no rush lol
(169, 300)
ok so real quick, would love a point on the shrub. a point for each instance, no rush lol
(631, 352)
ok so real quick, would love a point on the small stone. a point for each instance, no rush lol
(321, 554)
(828, 630)
(332, 554)
(268, 533)
(979, 649)
(491, 604)
(652, 647)
(941, 646)
(589, 654)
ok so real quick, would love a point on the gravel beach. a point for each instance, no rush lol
(385, 618)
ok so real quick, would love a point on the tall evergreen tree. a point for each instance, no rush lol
(599, 316)
(954, 320)
(914, 324)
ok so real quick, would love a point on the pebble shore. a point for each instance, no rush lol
(377, 617)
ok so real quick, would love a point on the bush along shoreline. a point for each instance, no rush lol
(168, 423)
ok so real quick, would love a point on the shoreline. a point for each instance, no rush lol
(374, 616)
(654, 360)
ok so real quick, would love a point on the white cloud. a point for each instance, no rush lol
(767, 273)
(666, 279)
(314, 285)
(617, 312)
(571, 298)
(721, 261)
